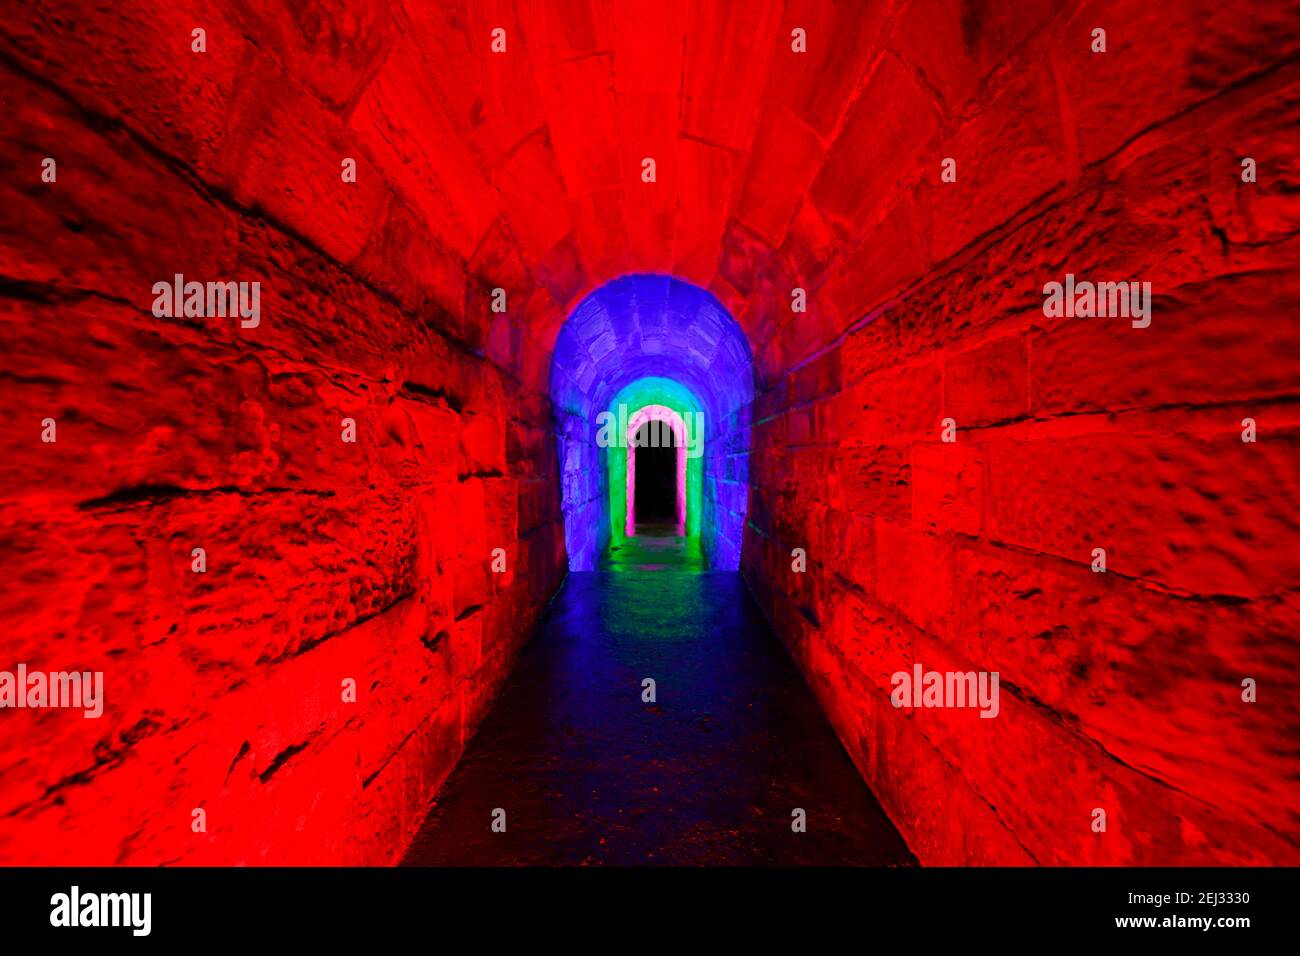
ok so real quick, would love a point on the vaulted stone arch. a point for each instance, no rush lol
(646, 328)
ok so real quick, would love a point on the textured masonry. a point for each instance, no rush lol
(775, 170)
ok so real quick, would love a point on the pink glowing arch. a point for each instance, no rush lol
(656, 413)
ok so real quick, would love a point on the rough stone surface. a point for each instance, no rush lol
(478, 171)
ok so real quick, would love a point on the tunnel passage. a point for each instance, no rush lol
(645, 342)
(910, 179)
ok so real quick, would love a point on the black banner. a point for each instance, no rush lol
(548, 906)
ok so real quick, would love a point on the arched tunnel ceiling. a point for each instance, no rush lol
(523, 169)
(739, 127)
(646, 326)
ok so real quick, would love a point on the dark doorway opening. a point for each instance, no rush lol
(656, 474)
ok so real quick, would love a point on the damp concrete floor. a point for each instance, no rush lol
(588, 773)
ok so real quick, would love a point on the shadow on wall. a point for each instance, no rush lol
(644, 340)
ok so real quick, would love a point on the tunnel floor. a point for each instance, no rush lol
(589, 774)
(655, 547)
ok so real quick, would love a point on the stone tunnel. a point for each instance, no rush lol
(309, 316)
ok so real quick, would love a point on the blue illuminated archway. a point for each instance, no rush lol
(647, 329)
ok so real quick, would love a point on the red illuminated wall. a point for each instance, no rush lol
(775, 170)
(1122, 690)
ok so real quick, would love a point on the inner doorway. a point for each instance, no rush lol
(655, 503)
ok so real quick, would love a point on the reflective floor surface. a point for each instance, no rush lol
(711, 772)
